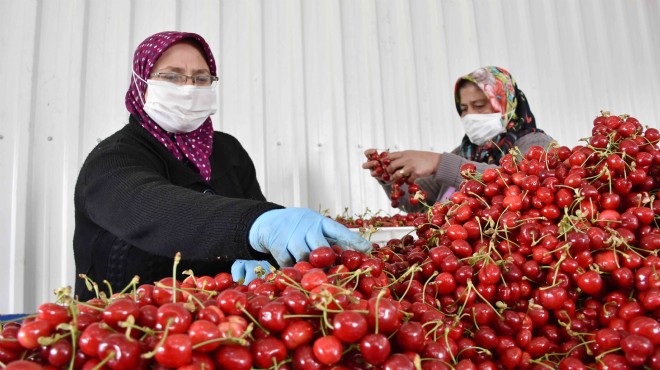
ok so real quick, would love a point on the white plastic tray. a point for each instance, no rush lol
(384, 234)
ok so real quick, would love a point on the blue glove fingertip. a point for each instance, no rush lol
(238, 270)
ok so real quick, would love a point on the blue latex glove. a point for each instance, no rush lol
(244, 269)
(290, 234)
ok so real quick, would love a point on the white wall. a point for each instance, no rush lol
(307, 85)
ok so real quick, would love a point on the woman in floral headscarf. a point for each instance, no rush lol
(496, 118)
(167, 182)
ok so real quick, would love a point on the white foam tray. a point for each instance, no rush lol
(384, 234)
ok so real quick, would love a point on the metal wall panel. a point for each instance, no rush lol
(307, 86)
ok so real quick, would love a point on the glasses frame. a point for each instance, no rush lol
(192, 78)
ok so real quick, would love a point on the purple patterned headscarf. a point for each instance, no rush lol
(195, 145)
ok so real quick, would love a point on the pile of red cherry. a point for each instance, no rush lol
(546, 262)
(415, 193)
(396, 220)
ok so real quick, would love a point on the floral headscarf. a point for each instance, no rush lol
(194, 146)
(505, 98)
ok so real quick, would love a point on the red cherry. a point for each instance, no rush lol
(176, 351)
(53, 313)
(350, 326)
(202, 331)
(322, 257)
(119, 310)
(124, 353)
(174, 316)
(328, 349)
(231, 301)
(233, 357)
(297, 334)
(266, 352)
(375, 348)
(271, 316)
(29, 334)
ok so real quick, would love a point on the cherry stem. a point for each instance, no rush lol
(74, 331)
(453, 358)
(131, 285)
(289, 281)
(378, 297)
(101, 364)
(161, 342)
(255, 321)
(355, 276)
(177, 259)
(411, 271)
(107, 283)
(304, 316)
(607, 352)
(476, 291)
(436, 325)
(240, 341)
(428, 281)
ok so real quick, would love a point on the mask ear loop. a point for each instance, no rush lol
(135, 75)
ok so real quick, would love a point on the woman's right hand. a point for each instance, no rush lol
(412, 164)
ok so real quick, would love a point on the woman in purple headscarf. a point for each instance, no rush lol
(167, 183)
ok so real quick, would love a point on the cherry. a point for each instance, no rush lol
(636, 349)
(233, 357)
(119, 310)
(53, 313)
(175, 351)
(411, 336)
(375, 348)
(231, 301)
(29, 333)
(384, 314)
(162, 292)
(303, 358)
(299, 333)
(174, 316)
(24, 365)
(123, 353)
(202, 331)
(268, 351)
(328, 349)
(399, 361)
(590, 282)
(271, 316)
(313, 278)
(322, 257)
(350, 326)
(60, 353)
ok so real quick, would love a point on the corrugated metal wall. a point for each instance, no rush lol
(307, 85)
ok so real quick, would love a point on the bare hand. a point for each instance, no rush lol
(413, 164)
(372, 164)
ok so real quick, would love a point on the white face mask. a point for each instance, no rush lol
(482, 127)
(179, 108)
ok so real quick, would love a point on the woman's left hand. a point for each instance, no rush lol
(413, 164)
(249, 270)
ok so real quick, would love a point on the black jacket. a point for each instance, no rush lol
(136, 205)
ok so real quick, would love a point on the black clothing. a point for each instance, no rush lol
(136, 205)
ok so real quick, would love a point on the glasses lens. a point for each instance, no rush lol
(203, 80)
(171, 77)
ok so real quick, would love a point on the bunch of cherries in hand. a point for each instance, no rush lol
(400, 184)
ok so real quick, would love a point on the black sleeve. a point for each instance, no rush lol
(124, 192)
(247, 174)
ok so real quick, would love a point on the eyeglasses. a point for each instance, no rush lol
(180, 79)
